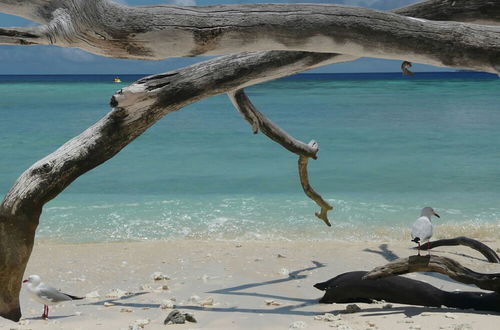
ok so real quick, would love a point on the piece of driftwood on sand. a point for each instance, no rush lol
(383, 283)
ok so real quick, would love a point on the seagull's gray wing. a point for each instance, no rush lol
(52, 294)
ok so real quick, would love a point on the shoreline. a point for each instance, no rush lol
(239, 277)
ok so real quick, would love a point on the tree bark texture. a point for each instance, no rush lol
(157, 32)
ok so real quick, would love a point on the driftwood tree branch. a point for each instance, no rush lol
(485, 250)
(168, 31)
(260, 122)
(350, 287)
(485, 12)
(305, 151)
(445, 266)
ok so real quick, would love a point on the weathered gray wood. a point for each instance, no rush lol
(309, 191)
(485, 250)
(305, 151)
(137, 107)
(260, 122)
(443, 265)
(109, 29)
(474, 11)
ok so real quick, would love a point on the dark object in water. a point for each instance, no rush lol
(405, 68)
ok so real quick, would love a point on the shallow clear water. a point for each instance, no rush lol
(388, 147)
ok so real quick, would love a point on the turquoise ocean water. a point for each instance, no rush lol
(388, 146)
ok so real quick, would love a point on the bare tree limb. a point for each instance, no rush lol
(304, 151)
(485, 250)
(260, 122)
(21, 36)
(309, 191)
(138, 106)
(168, 31)
(474, 11)
(436, 264)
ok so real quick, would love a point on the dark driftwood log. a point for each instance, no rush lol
(489, 253)
(437, 264)
(350, 288)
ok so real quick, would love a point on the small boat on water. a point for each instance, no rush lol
(117, 80)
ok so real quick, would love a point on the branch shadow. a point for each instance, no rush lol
(384, 252)
(119, 303)
(295, 275)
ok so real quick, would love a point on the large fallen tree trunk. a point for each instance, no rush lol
(352, 287)
(109, 29)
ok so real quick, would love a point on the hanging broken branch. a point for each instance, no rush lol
(305, 151)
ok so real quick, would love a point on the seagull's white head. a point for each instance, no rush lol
(33, 279)
(428, 212)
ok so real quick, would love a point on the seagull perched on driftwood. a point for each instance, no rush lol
(46, 294)
(422, 228)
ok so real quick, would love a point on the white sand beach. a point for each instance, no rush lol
(231, 285)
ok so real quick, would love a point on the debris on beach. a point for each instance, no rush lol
(145, 287)
(167, 304)
(93, 294)
(272, 302)
(194, 299)
(162, 288)
(176, 317)
(281, 255)
(387, 306)
(352, 308)
(298, 325)
(284, 271)
(209, 301)
(159, 276)
(108, 304)
(126, 310)
(118, 293)
(328, 317)
(371, 324)
(139, 324)
(450, 316)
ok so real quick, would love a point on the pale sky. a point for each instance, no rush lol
(56, 60)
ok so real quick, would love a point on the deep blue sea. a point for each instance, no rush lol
(389, 145)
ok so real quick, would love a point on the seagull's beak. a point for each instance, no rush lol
(25, 281)
(437, 215)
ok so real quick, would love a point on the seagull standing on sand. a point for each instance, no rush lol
(46, 294)
(422, 228)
